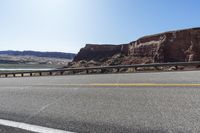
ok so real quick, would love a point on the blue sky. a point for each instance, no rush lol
(67, 25)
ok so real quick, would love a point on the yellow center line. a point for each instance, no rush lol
(146, 84)
(129, 85)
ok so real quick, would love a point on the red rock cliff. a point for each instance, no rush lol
(180, 45)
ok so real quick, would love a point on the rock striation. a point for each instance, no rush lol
(173, 46)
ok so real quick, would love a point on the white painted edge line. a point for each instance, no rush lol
(30, 127)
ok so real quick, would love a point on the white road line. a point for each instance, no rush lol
(29, 127)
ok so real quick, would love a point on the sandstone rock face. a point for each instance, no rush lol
(174, 46)
(100, 52)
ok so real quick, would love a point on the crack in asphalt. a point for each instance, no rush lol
(44, 107)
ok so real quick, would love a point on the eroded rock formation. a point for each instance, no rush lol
(173, 46)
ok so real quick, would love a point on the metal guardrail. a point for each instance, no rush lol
(102, 68)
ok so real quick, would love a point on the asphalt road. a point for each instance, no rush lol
(6, 129)
(85, 104)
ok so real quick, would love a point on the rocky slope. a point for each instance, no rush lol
(173, 46)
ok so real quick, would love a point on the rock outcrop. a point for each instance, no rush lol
(100, 52)
(173, 46)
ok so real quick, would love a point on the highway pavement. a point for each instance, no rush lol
(161, 102)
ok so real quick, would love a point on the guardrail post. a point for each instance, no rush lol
(103, 70)
(61, 72)
(6, 75)
(87, 71)
(31, 74)
(73, 72)
(14, 75)
(40, 73)
(50, 73)
(176, 67)
(135, 69)
(22, 74)
(157, 68)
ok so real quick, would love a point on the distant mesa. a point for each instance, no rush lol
(61, 55)
(173, 46)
